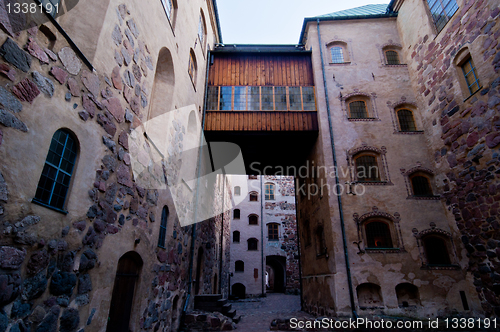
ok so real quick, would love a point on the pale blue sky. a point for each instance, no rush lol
(274, 21)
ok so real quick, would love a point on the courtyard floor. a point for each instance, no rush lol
(258, 313)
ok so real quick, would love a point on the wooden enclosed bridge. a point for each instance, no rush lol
(262, 97)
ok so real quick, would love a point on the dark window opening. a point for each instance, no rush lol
(357, 110)
(163, 227)
(253, 244)
(236, 237)
(406, 121)
(236, 214)
(253, 219)
(239, 266)
(436, 251)
(378, 235)
(392, 57)
(367, 168)
(421, 186)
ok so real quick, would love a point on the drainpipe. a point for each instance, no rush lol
(262, 237)
(298, 245)
(193, 234)
(337, 181)
(222, 231)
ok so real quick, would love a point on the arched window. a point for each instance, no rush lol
(170, 7)
(54, 182)
(236, 237)
(337, 53)
(163, 227)
(378, 235)
(253, 244)
(253, 219)
(367, 168)
(202, 31)
(269, 191)
(436, 250)
(392, 57)
(239, 266)
(237, 191)
(273, 232)
(357, 109)
(406, 120)
(254, 197)
(420, 185)
(407, 295)
(236, 214)
(192, 68)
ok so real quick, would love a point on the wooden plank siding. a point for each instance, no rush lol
(261, 70)
(260, 121)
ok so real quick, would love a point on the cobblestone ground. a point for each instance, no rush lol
(258, 313)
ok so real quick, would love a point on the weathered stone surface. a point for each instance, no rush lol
(74, 87)
(110, 162)
(116, 78)
(129, 78)
(493, 140)
(107, 123)
(84, 284)
(69, 321)
(107, 93)
(26, 90)
(91, 82)
(118, 58)
(135, 105)
(70, 60)
(20, 310)
(9, 120)
(9, 101)
(45, 84)
(34, 287)
(129, 37)
(49, 323)
(4, 192)
(137, 72)
(123, 139)
(129, 116)
(127, 58)
(114, 106)
(87, 260)
(59, 74)
(1, 137)
(14, 55)
(51, 54)
(12, 22)
(38, 262)
(149, 63)
(84, 115)
(8, 72)
(36, 51)
(68, 262)
(123, 176)
(62, 283)
(9, 288)
(133, 28)
(116, 35)
(110, 144)
(88, 105)
(11, 258)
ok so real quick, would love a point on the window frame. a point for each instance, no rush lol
(386, 56)
(380, 155)
(170, 13)
(434, 20)
(238, 237)
(269, 191)
(398, 120)
(388, 235)
(253, 196)
(335, 45)
(236, 212)
(446, 239)
(239, 267)
(273, 231)
(473, 70)
(394, 230)
(237, 190)
(371, 112)
(38, 198)
(192, 67)
(425, 176)
(202, 31)
(251, 219)
(253, 240)
(377, 165)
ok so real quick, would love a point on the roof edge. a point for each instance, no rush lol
(388, 14)
(217, 21)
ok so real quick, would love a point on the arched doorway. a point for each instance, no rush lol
(276, 269)
(199, 271)
(238, 290)
(127, 273)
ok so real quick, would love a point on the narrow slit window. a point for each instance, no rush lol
(163, 227)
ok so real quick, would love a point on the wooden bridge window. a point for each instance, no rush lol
(253, 98)
(226, 93)
(294, 96)
(280, 98)
(308, 98)
(212, 98)
(267, 98)
(240, 98)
